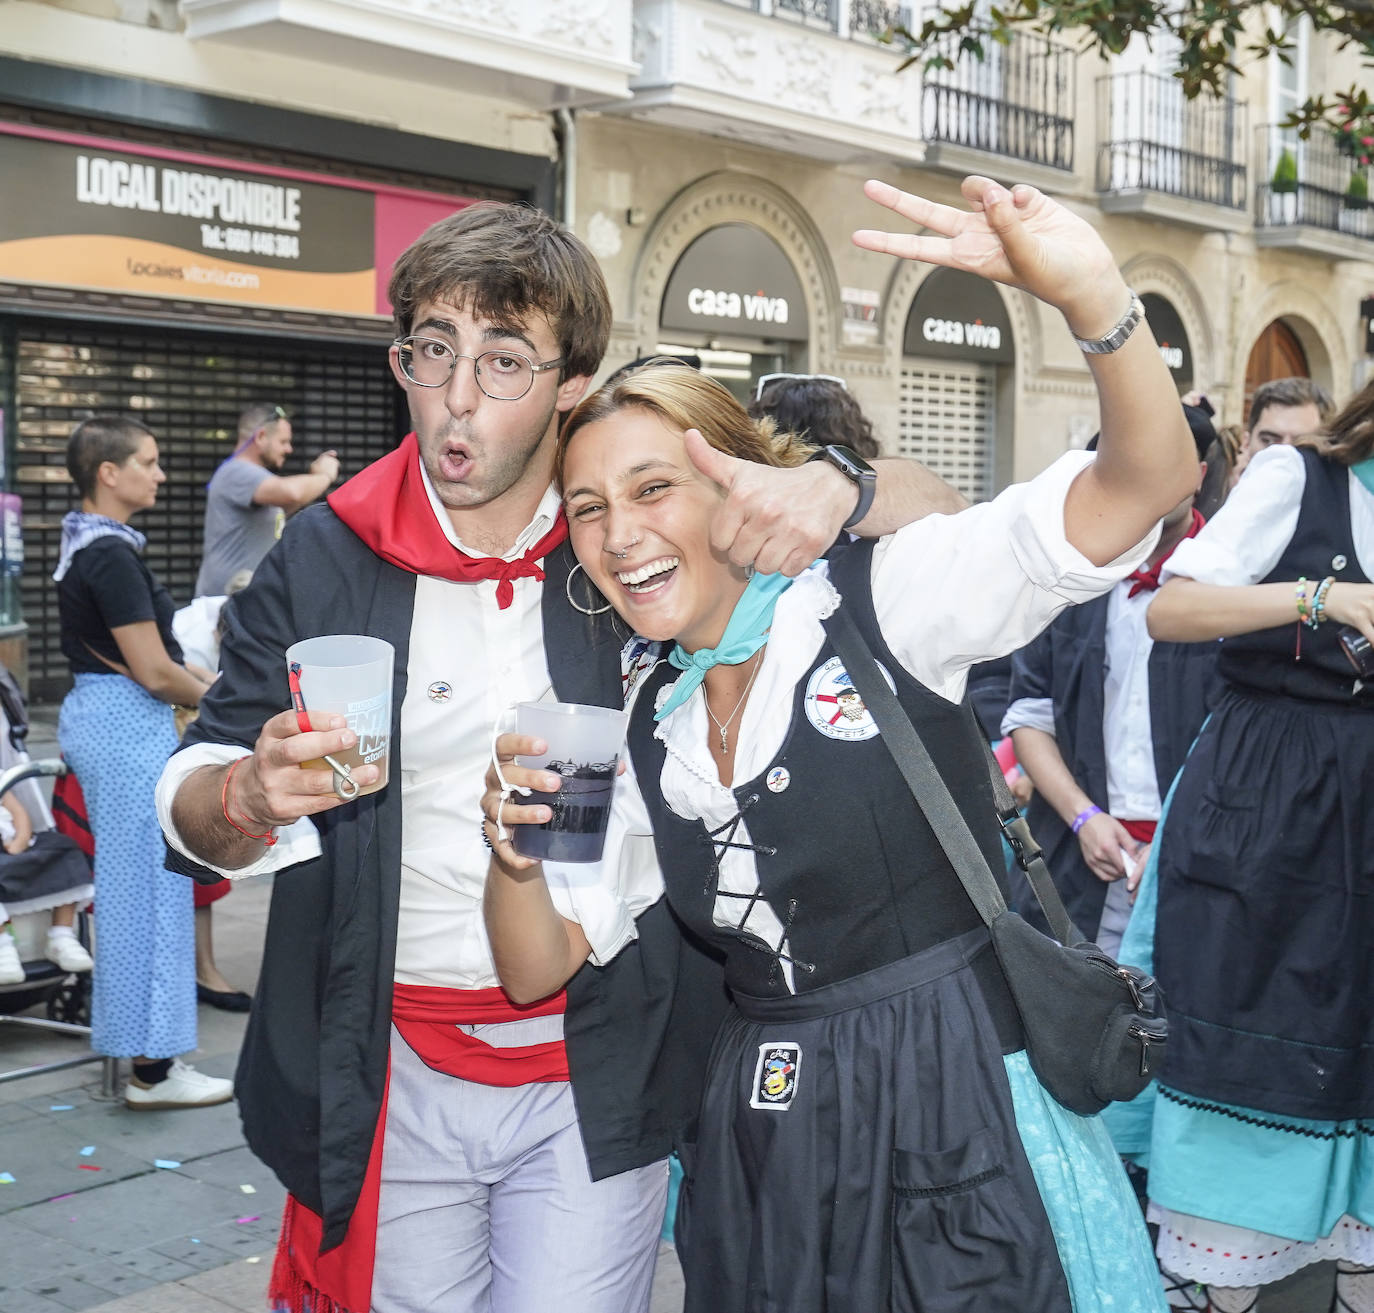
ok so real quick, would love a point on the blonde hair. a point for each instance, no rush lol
(1349, 438)
(685, 398)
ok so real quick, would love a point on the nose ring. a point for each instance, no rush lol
(620, 556)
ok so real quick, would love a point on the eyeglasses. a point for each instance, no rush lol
(429, 362)
(773, 378)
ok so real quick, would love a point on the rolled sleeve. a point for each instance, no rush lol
(953, 590)
(605, 897)
(299, 842)
(1030, 713)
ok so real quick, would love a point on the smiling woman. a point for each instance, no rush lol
(871, 1132)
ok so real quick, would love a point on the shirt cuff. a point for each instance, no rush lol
(1043, 550)
(298, 842)
(1030, 713)
(605, 897)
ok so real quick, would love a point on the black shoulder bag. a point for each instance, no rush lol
(1095, 1030)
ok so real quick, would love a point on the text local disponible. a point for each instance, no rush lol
(126, 186)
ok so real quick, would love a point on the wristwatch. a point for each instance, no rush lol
(1116, 338)
(858, 471)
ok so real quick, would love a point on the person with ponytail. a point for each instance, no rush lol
(870, 1134)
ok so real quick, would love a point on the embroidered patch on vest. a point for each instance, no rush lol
(833, 704)
(778, 779)
(439, 691)
(775, 1077)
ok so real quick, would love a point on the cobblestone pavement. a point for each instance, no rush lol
(197, 1237)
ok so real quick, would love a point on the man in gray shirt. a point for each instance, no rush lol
(249, 499)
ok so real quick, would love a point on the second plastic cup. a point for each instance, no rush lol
(350, 675)
(584, 748)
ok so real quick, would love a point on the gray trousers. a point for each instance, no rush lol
(486, 1203)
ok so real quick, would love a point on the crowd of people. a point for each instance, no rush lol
(469, 1068)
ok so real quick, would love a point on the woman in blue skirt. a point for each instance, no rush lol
(1262, 1153)
(871, 1134)
(116, 732)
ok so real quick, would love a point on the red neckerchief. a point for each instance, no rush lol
(1149, 579)
(304, 1280)
(387, 506)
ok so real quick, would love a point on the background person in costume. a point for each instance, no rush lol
(1264, 944)
(116, 730)
(870, 1135)
(1102, 717)
(426, 1128)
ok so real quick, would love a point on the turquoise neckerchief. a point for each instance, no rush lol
(746, 632)
(1364, 471)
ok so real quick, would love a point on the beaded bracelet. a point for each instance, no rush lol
(270, 837)
(1301, 597)
(1084, 817)
(1319, 602)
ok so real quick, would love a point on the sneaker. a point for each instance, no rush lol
(11, 968)
(66, 951)
(185, 1087)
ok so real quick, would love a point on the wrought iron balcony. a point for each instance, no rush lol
(1154, 140)
(1017, 101)
(1312, 185)
(868, 19)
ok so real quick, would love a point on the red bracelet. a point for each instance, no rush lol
(269, 838)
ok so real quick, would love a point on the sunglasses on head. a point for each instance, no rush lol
(766, 379)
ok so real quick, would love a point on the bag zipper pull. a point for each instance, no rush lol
(1134, 989)
(1144, 1037)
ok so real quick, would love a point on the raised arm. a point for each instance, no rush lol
(1146, 461)
(292, 491)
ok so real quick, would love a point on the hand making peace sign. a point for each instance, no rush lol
(1019, 237)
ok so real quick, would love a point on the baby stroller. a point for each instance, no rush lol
(51, 873)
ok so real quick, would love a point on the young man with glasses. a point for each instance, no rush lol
(248, 498)
(442, 1147)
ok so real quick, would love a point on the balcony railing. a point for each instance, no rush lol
(1016, 101)
(1312, 184)
(1155, 140)
(867, 19)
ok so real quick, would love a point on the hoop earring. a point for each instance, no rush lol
(572, 602)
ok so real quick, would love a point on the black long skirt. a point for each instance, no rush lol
(859, 1152)
(1264, 942)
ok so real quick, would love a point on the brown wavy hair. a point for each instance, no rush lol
(686, 399)
(1349, 438)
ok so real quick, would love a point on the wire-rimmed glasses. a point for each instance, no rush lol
(429, 362)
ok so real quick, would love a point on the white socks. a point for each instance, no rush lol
(1354, 1288)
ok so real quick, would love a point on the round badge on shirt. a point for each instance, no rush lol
(835, 707)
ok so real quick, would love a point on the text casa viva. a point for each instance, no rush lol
(127, 186)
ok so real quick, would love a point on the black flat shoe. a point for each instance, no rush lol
(226, 1000)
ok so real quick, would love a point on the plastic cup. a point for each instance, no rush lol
(584, 748)
(349, 675)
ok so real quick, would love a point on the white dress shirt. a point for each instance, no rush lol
(949, 591)
(491, 659)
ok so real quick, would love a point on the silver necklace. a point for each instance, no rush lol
(723, 725)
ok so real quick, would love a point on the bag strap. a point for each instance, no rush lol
(933, 797)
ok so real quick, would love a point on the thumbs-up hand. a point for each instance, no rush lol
(777, 520)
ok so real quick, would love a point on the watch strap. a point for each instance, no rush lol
(858, 471)
(1115, 338)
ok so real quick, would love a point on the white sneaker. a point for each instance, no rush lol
(185, 1087)
(11, 968)
(66, 951)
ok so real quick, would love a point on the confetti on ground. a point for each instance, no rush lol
(168, 1163)
(194, 1241)
(56, 1197)
(257, 1258)
(86, 1167)
(243, 1221)
(88, 1151)
(61, 1107)
(6, 1179)
(249, 1189)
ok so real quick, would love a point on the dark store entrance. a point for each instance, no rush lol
(188, 386)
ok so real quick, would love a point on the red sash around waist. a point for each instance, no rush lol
(304, 1280)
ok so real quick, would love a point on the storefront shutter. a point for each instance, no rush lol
(188, 387)
(947, 420)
